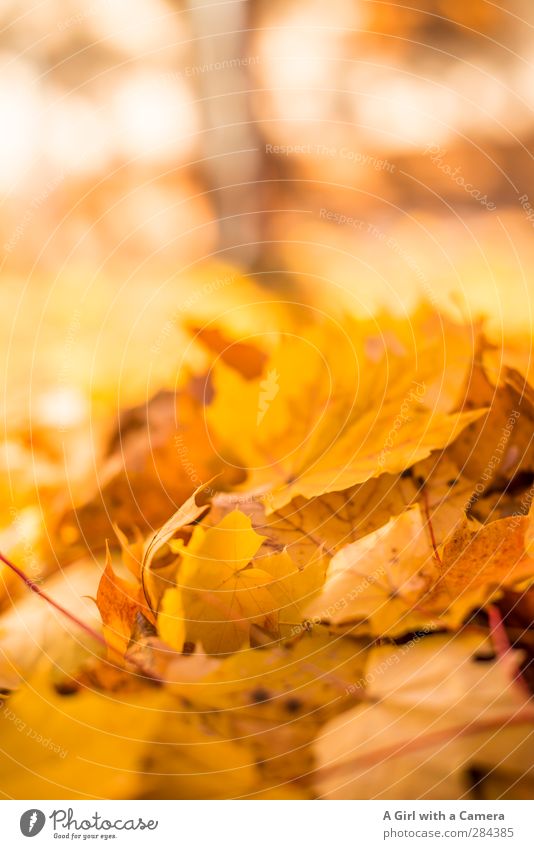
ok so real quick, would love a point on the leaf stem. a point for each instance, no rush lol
(524, 716)
(35, 588)
(430, 526)
(503, 646)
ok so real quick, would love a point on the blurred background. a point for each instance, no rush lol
(160, 159)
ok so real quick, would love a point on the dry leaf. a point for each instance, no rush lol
(394, 581)
(85, 746)
(118, 602)
(379, 582)
(336, 406)
(222, 594)
(432, 712)
(275, 700)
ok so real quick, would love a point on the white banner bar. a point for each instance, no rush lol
(268, 825)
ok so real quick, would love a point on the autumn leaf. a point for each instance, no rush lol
(292, 588)
(189, 512)
(157, 457)
(500, 445)
(346, 491)
(118, 602)
(335, 519)
(338, 408)
(326, 522)
(394, 580)
(171, 624)
(187, 763)
(223, 595)
(246, 358)
(378, 583)
(432, 712)
(274, 701)
(222, 577)
(131, 551)
(477, 565)
(87, 746)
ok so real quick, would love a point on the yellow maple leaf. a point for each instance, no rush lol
(336, 406)
(393, 581)
(432, 711)
(292, 588)
(85, 746)
(478, 564)
(222, 594)
(171, 624)
(225, 586)
(274, 701)
(379, 581)
(492, 450)
(118, 602)
(190, 762)
(335, 519)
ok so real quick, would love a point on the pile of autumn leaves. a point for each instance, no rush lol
(341, 607)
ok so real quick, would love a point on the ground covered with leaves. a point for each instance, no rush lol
(305, 572)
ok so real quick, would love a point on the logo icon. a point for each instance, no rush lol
(32, 822)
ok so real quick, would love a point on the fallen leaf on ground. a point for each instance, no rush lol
(332, 410)
(394, 581)
(432, 713)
